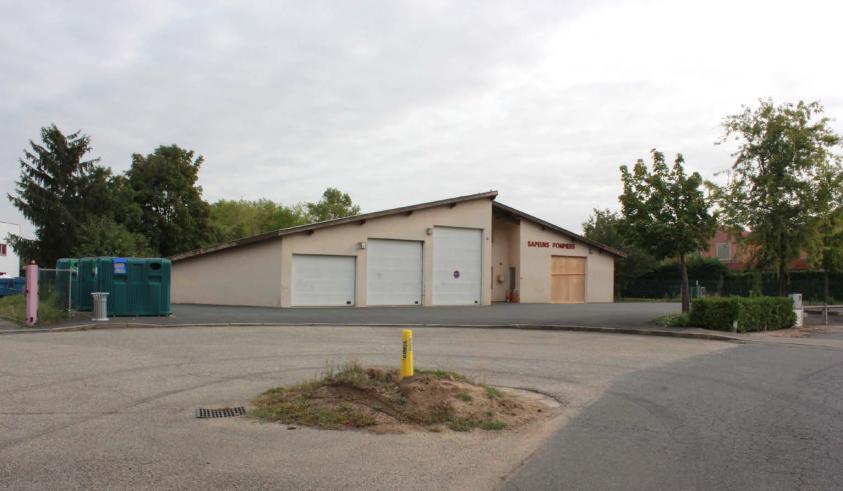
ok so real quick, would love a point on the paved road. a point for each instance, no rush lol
(602, 315)
(759, 416)
(114, 408)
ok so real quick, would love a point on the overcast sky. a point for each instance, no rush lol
(404, 102)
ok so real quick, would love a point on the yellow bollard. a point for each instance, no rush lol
(407, 354)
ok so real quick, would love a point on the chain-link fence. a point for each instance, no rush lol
(810, 284)
(54, 294)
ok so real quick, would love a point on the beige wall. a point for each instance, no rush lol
(505, 250)
(246, 275)
(343, 240)
(535, 266)
(261, 274)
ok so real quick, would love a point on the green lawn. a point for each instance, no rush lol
(50, 309)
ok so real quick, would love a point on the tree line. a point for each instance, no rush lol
(81, 208)
(783, 195)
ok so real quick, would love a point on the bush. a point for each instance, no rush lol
(750, 313)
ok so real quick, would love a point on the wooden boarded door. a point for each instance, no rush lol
(567, 279)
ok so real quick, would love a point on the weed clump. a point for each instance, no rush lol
(353, 396)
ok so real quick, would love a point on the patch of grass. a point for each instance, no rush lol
(350, 374)
(492, 425)
(462, 424)
(13, 308)
(465, 397)
(443, 413)
(302, 411)
(492, 393)
(443, 375)
(468, 424)
(50, 309)
(674, 320)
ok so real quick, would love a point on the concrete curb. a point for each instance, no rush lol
(534, 327)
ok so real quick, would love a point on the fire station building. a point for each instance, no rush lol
(469, 250)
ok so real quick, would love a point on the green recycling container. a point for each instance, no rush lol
(136, 286)
(68, 280)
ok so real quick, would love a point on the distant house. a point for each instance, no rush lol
(9, 261)
(726, 249)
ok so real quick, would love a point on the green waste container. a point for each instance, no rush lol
(136, 286)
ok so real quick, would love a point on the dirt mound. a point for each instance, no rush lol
(374, 398)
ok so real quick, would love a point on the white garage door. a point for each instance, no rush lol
(394, 272)
(323, 280)
(457, 266)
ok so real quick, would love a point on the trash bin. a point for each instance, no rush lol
(100, 300)
(797, 308)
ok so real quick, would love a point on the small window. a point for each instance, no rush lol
(2, 249)
(724, 251)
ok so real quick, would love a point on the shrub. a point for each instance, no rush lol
(750, 313)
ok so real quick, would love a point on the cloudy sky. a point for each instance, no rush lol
(403, 102)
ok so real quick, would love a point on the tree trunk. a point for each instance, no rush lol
(825, 286)
(686, 300)
(782, 280)
(825, 295)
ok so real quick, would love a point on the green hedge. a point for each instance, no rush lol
(750, 313)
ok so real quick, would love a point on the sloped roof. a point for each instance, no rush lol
(548, 225)
(491, 195)
(329, 223)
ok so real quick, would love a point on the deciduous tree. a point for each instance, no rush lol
(334, 204)
(607, 227)
(781, 150)
(102, 236)
(666, 212)
(174, 217)
(825, 244)
(234, 219)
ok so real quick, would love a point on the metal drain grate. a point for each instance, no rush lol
(223, 412)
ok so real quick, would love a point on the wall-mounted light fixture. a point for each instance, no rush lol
(429, 231)
(361, 245)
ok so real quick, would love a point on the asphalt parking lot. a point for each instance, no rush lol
(114, 408)
(621, 314)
